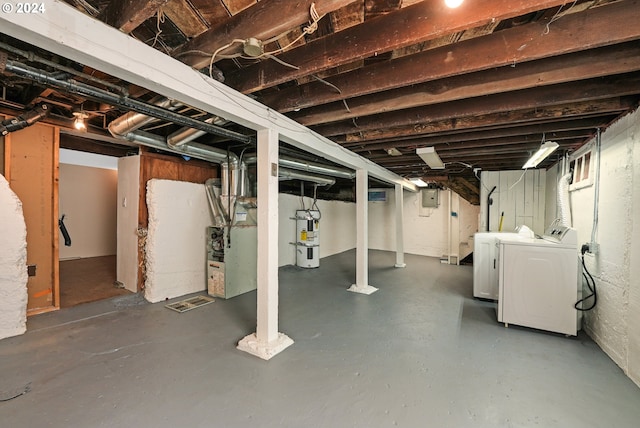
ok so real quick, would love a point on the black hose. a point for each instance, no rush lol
(65, 232)
(592, 288)
(489, 202)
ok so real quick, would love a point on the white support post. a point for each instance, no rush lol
(399, 227)
(267, 342)
(362, 225)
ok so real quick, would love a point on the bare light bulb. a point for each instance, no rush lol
(79, 122)
(453, 3)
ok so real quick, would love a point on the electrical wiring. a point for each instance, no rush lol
(314, 205)
(159, 20)
(557, 16)
(591, 285)
(519, 180)
(310, 29)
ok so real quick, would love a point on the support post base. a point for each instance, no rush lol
(400, 265)
(266, 351)
(365, 289)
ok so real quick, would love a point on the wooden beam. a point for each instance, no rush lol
(264, 20)
(181, 13)
(495, 120)
(580, 31)
(585, 90)
(416, 23)
(127, 15)
(561, 69)
(551, 128)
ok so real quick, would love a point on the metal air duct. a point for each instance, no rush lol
(289, 174)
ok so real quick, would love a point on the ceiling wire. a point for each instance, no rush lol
(310, 29)
(159, 20)
(557, 16)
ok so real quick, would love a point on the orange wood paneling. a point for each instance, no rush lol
(32, 166)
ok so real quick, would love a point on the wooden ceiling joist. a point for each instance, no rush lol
(495, 120)
(263, 20)
(127, 15)
(566, 68)
(551, 128)
(416, 23)
(513, 46)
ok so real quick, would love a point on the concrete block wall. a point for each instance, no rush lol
(13, 264)
(613, 324)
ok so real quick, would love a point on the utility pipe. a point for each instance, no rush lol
(79, 88)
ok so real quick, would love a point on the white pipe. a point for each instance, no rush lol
(596, 197)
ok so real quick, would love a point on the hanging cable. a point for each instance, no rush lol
(557, 16)
(159, 20)
(591, 285)
(315, 202)
(257, 44)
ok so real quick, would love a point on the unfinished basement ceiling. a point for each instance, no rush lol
(484, 84)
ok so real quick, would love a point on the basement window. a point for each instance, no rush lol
(582, 166)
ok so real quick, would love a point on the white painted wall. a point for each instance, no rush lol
(613, 324)
(127, 229)
(13, 264)
(426, 230)
(175, 252)
(87, 198)
(74, 157)
(521, 197)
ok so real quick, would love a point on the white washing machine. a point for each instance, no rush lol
(485, 269)
(539, 281)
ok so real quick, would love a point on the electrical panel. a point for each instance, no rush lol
(430, 198)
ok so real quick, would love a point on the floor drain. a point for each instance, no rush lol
(191, 303)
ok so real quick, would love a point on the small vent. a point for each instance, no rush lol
(191, 303)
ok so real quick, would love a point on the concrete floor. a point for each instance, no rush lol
(421, 352)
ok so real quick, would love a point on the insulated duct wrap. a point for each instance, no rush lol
(564, 207)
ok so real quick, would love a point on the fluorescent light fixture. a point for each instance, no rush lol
(394, 152)
(545, 150)
(430, 157)
(453, 3)
(418, 182)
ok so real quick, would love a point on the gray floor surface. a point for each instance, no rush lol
(421, 352)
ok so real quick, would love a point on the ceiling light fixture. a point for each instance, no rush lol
(253, 47)
(453, 3)
(545, 150)
(430, 157)
(79, 122)
(418, 182)
(394, 152)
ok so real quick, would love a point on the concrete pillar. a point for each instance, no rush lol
(399, 227)
(266, 341)
(362, 242)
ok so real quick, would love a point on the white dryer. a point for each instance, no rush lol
(485, 268)
(539, 281)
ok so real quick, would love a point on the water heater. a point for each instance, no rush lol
(307, 238)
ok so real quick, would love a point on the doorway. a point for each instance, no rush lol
(88, 209)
